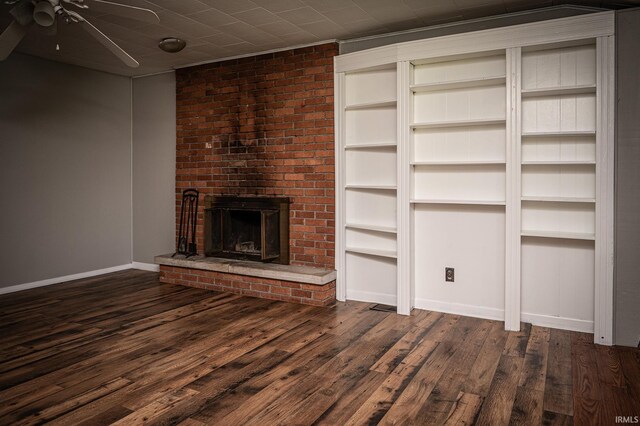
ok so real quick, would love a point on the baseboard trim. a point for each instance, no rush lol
(460, 309)
(370, 297)
(562, 323)
(151, 267)
(58, 280)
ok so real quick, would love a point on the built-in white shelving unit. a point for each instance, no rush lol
(558, 194)
(457, 149)
(487, 152)
(370, 184)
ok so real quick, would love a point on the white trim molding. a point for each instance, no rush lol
(513, 192)
(371, 297)
(403, 157)
(558, 322)
(340, 253)
(58, 280)
(604, 247)
(552, 31)
(151, 267)
(461, 309)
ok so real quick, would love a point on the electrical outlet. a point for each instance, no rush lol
(449, 274)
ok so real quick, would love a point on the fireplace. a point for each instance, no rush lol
(249, 228)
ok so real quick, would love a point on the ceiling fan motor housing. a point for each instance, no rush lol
(44, 14)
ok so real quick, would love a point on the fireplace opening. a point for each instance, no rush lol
(250, 228)
(243, 235)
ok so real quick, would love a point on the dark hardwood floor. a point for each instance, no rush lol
(125, 348)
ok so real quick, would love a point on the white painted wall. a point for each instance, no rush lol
(469, 239)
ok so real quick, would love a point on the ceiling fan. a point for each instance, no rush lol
(47, 13)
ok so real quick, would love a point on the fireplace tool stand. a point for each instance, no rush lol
(187, 230)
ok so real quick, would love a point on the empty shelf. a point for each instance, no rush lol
(376, 228)
(556, 91)
(459, 123)
(558, 163)
(471, 202)
(459, 84)
(559, 199)
(560, 133)
(372, 187)
(372, 252)
(369, 105)
(459, 163)
(371, 146)
(562, 235)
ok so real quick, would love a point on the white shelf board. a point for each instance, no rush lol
(458, 84)
(561, 235)
(567, 133)
(376, 228)
(559, 91)
(559, 199)
(371, 146)
(369, 105)
(458, 123)
(372, 252)
(459, 163)
(558, 163)
(372, 187)
(470, 202)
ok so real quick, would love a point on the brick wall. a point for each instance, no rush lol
(264, 126)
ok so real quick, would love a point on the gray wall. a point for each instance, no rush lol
(627, 237)
(65, 162)
(154, 163)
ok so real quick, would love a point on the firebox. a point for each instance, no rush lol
(250, 228)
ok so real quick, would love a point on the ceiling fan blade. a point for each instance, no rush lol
(132, 12)
(22, 12)
(105, 41)
(10, 38)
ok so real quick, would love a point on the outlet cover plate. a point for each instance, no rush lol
(449, 274)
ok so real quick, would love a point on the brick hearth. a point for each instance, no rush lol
(300, 284)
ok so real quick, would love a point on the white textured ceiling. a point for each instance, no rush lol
(216, 29)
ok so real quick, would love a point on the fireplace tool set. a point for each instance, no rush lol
(187, 230)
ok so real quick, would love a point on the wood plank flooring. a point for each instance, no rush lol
(125, 349)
